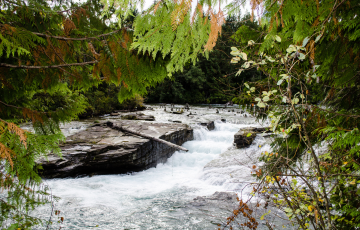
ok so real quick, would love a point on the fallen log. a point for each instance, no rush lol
(120, 128)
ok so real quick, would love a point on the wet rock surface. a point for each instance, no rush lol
(246, 136)
(138, 116)
(224, 203)
(209, 125)
(103, 150)
(228, 197)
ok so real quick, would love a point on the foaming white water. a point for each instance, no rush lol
(233, 169)
(156, 190)
(182, 169)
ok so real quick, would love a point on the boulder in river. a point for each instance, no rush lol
(245, 136)
(209, 125)
(103, 150)
(140, 116)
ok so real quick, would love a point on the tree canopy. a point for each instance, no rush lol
(309, 51)
(305, 55)
(52, 52)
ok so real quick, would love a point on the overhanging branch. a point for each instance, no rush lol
(46, 67)
(75, 39)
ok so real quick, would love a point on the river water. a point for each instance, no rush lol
(163, 197)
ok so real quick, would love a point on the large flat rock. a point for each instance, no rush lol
(103, 150)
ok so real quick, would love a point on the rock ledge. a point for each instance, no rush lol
(102, 150)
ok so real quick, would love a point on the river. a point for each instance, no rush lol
(163, 197)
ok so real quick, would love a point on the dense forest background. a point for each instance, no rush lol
(211, 80)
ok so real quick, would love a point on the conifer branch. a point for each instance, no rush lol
(75, 39)
(46, 67)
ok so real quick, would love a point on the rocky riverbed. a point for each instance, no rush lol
(191, 190)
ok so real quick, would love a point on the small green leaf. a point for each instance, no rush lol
(243, 56)
(234, 49)
(246, 85)
(284, 99)
(248, 135)
(252, 89)
(266, 98)
(301, 56)
(258, 99)
(270, 59)
(318, 38)
(279, 82)
(239, 72)
(277, 38)
(235, 53)
(305, 41)
(295, 100)
(291, 49)
(261, 104)
(246, 65)
(251, 42)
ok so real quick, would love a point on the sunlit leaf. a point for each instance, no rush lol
(305, 41)
(277, 38)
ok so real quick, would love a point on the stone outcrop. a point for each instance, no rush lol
(209, 125)
(103, 150)
(225, 198)
(245, 136)
(138, 116)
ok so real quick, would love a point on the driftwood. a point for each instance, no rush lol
(120, 128)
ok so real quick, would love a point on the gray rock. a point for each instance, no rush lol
(102, 150)
(209, 125)
(244, 137)
(140, 116)
(222, 198)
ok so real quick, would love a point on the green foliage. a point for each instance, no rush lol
(211, 80)
(309, 51)
(103, 99)
(53, 55)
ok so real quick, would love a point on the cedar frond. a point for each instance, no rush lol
(6, 153)
(156, 6)
(126, 86)
(93, 51)
(118, 74)
(178, 15)
(34, 116)
(18, 131)
(216, 22)
(68, 26)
